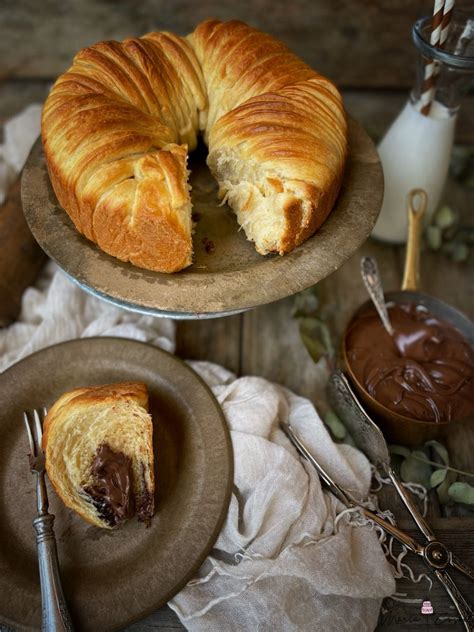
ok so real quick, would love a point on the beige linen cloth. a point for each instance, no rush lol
(283, 561)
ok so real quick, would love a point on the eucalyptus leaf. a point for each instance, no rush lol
(314, 347)
(421, 453)
(462, 493)
(396, 463)
(466, 234)
(335, 425)
(316, 338)
(442, 490)
(327, 339)
(401, 450)
(459, 165)
(414, 471)
(438, 477)
(439, 449)
(306, 303)
(434, 237)
(459, 253)
(445, 217)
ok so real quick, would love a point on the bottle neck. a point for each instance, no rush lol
(443, 75)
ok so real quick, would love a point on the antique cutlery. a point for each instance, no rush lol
(370, 440)
(55, 614)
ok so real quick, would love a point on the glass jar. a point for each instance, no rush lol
(415, 152)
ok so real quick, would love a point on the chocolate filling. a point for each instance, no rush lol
(426, 371)
(146, 503)
(112, 490)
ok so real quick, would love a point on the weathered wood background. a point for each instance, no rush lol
(363, 45)
(366, 48)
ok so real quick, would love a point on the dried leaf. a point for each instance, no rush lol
(414, 471)
(335, 425)
(462, 493)
(439, 449)
(438, 477)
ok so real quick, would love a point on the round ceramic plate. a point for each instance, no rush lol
(112, 578)
(231, 278)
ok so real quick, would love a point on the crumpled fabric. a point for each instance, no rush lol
(280, 562)
(56, 310)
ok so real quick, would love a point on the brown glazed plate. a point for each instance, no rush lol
(113, 578)
(233, 277)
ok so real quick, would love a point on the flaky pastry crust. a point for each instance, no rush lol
(118, 125)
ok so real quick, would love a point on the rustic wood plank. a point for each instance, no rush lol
(16, 95)
(216, 340)
(361, 44)
(21, 259)
(396, 616)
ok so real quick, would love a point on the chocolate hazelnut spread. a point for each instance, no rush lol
(425, 371)
(112, 490)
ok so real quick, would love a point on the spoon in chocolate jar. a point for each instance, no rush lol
(398, 425)
(371, 277)
(416, 205)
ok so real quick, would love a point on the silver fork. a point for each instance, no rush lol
(55, 614)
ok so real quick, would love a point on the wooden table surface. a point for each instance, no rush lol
(38, 40)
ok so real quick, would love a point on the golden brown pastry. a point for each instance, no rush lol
(118, 125)
(98, 444)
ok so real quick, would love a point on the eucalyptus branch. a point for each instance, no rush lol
(440, 466)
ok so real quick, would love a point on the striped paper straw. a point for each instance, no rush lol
(427, 89)
(446, 22)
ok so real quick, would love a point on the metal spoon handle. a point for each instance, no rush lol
(371, 278)
(410, 505)
(417, 201)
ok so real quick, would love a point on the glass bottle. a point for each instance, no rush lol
(415, 152)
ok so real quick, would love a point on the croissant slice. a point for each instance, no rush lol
(98, 444)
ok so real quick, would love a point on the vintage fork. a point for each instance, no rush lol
(55, 614)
